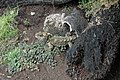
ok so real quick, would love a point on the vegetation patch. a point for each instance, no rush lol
(12, 58)
(29, 56)
(8, 39)
(8, 27)
(8, 31)
(37, 52)
(92, 6)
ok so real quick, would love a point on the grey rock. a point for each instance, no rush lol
(76, 21)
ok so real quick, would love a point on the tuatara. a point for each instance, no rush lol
(54, 40)
(61, 41)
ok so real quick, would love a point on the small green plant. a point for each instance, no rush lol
(12, 59)
(38, 53)
(8, 27)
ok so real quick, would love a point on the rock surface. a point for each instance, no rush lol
(92, 54)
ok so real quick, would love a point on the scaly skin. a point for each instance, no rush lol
(43, 36)
(60, 41)
(55, 40)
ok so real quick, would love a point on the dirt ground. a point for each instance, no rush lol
(45, 73)
(36, 24)
(28, 31)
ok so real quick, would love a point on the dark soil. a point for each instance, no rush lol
(45, 73)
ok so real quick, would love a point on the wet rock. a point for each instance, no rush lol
(54, 24)
(95, 49)
(76, 21)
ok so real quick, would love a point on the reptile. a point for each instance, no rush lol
(54, 40)
(60, 41)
